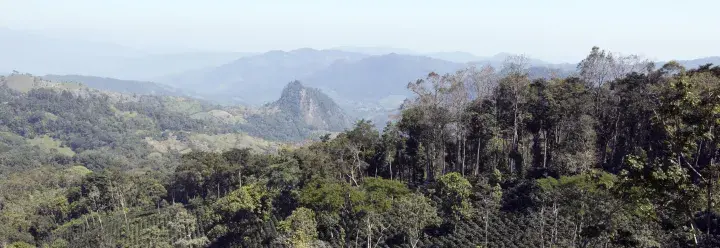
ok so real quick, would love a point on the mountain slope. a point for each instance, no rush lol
(375, 50)
(118, 85)
(377, 77)
(457, 56)
(300, 112)
(694, 63)
(316, 109)
(256, 79)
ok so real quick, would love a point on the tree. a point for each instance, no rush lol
(600, 67)
(488, 192)
(510, 101)
(183, 225)
(411, 214)
(239, 214)
(300, 228)
(454, 191)
(433, 113)
(391, 145)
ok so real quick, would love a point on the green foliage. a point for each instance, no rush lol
(412, 214)
(454, 191)
(300, 228)
(328, 196)
(382, 192)
(629, 161)
(20, 245)
(252, 199)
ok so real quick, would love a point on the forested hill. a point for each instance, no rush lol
(117, 85)
(312, 106)
(300, 112)
(44, 122)
(623, 155)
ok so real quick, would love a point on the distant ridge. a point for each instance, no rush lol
(118, 85)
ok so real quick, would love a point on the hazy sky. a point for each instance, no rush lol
(554, 30)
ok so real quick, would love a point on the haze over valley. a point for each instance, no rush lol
(367, 82)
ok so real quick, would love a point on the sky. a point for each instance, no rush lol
(552, 30)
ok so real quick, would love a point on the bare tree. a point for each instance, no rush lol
(515, 69)
(482, 81)
(600, 67)
(456, 100)
(430, 98)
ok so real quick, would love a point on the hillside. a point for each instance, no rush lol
(316, 109)
(117, 85)
(43, 119)
(373, 78)
(364, 75)
(309, 110)
(174, 123)
(257, 79)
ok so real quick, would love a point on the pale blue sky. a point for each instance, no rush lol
(554, 30)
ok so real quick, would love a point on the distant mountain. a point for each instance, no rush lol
(453, 56)
(314, 108)
(376, 77)
(499, 59)
(40, 54)
(117, 85)
(300, 112)
(457, 57)
(376, 50)
(154, 66)
(258, 79)
(694, 63)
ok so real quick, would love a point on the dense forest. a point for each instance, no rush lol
(621, 154)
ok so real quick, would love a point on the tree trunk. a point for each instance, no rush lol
(240, 178)
(487, 219)
(545, 139)
(477, 158)
(428, 164)
(692, 228)
(391, 172)
(542, 226)
(464, 148)
(442, 152)
(709, 198)
(369, 235)
(457, 152)
(553, 239)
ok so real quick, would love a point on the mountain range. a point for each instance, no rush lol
(367, 82)
(298, 114)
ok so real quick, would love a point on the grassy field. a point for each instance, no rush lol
(49, 144)
(213, 143)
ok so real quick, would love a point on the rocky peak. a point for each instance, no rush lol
(312, 107)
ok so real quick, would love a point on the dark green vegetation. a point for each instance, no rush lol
(623, 155)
